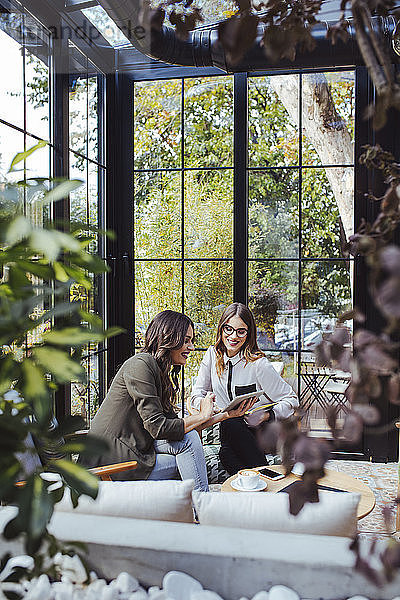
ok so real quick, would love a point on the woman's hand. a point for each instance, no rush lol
(242, 408)
(207, 406)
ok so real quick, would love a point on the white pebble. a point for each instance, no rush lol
(40, 590)
(70, 567)
(9, 586)
(140, 594)
(261, 596)
(180, 585)
(79, 594)
(63, 590)
(160, 595)
(126, 583)
(97, 584)
(281, 592)
(153, 589)
(205, 595)
(24, 561)
(108, 592)
(92, 594)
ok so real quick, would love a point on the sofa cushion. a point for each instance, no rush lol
(335, 513)
(157, 500)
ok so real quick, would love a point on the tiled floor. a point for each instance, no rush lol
(382, 479)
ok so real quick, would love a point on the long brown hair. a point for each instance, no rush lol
(250, 348)
(166, 332)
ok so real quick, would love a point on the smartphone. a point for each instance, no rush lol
(270, 474)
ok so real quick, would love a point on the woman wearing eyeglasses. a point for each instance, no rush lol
(233, 366)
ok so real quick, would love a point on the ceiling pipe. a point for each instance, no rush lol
(202, 49)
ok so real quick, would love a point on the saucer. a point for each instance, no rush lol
(261, 485)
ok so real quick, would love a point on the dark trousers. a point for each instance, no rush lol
(239, 448)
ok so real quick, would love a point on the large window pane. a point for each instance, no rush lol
(93, 217)
(78, 112)
(192, 369)
(93, 131)
(37, 96)
(158, 286)
(328, 118)
(11, 142)
(273, 213)
(78, 197)
(85, 396)
(209, 214)
(208, 290)
(158, 215)
(288, 363)
(11, 73)
(325, 294)
(273, 121)
(157, 124)
(208, 122)
(215, 11)
(273, 298)
(327, 211)
(37, 165)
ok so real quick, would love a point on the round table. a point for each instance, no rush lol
(333, 479)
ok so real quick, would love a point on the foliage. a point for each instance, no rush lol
(375, 355)
(265, 305)
(373, 362)
(286, 27)
(41, 339)
(206, 211)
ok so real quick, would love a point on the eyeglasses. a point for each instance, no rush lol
(241, 332)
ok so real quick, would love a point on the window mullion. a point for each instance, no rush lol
(240, 196)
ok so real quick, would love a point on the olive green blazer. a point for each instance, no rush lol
(131, 417)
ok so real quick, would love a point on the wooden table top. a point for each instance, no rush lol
(334, 479)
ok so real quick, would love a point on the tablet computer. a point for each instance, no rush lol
(239, 399)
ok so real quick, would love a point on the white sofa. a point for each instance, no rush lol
(234, 562)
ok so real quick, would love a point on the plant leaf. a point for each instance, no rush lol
(77, 477)
(59, 364)
(72, 336)
(19, 228)
(62, 190)
(23, 155)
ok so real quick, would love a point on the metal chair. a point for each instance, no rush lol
(337, 391)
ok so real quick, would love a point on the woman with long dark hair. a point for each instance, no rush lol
(233, 366)
(138, 418)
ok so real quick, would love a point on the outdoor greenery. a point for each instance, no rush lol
(202, 199)
(182, 215)
(42, 336)
(83, 140)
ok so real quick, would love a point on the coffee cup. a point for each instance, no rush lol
(248, 479)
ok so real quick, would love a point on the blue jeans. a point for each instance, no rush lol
(184, 459)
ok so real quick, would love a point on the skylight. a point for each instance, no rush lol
(106, 26)
(216, 10)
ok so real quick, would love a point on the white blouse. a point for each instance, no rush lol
(259, 373)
